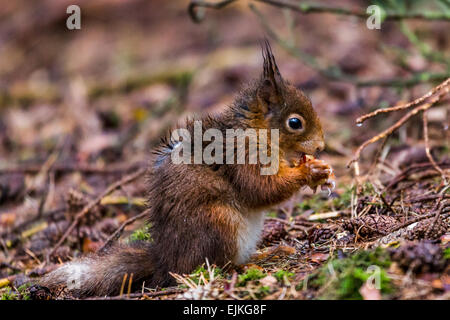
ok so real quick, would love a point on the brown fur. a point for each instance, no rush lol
(197, 210)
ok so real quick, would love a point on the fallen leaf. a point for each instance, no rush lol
(437, 284)
(7, 219)
(251, 266)
(276, 251)
(319, 257)
(91, 246)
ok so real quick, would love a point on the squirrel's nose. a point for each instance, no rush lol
(320, 146)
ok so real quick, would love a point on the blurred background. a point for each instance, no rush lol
(136, 66)
(79, 108)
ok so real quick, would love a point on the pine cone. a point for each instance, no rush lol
(38, 292)
(273, 232)
(344, 238)
(419, 230)
(363, 203)
(75, 200)
(321, 234)
(419, 257)
(370, 226)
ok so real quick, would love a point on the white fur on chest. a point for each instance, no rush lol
(249, 233)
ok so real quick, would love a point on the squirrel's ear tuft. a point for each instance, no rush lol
(270, 89)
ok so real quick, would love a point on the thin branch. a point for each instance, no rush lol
(414, 79)
(119, 231)
(413, 169)
(141, 295)
(414, 220)
(443, 85)
(427, 147)
(419, 108)
(391, 129)
(305, 8)
(64, 168)
(441, 203)
(195, 4)
(335, 73)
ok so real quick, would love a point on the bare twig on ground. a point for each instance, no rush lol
(427, 148)
(440, 203)
(414, 220)
(411, 169)
(426, 198)
(119, 231)
(63, 168)
(127, 179)
(144, 295)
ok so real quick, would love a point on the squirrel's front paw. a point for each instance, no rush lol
(319, 174)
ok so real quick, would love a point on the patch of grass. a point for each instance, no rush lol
(344, 277)
(263, 291)
(251, 274)
(447, 253)
(344, 200)
(319, 204)
(272, 214)
(197, 274)
(9, 293)
(316, 203)
(141, 234)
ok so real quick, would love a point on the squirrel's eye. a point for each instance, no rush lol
(295, 123)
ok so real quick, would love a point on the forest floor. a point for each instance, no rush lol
(81, 110)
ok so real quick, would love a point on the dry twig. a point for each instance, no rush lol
(195, 4)
(308, 8)
(119, 231)
(436, 95)
(127, 179)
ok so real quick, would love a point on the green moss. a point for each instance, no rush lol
(262, 292)
(141, 234)
(315, 203)
(251, 274)
(319, 204)
(8, 294)
(344, 200)
(344, 277)
(283, 276)
(447, 253)
(272, 214)
(21, 293)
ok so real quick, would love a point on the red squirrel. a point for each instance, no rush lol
(212, 211)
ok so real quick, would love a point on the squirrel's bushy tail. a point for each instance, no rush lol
(103, 274)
